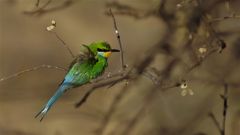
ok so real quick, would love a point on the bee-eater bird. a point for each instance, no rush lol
(82, 70)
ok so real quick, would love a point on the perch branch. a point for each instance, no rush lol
(102, 82)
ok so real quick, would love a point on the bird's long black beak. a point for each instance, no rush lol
(115, 50)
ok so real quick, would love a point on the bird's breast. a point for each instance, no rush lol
(98, 68)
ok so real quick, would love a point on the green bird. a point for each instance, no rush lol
(82, 70)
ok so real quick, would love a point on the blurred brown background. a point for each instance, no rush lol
(25, 43)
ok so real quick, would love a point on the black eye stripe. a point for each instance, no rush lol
(102, 50)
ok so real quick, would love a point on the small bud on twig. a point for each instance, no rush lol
(202, 50)
(179, 5)
(185, 89)
(52, 26)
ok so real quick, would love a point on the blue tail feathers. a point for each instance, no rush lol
(43, 112)
(51, 101)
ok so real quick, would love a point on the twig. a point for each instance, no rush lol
(197, 64)
(138, 69)
(216, 123)
(64, 44)
(43, 10)
(225, 107)
(95, 87)
(101, 82)
(32, 69)
(111, 111)
(151, 96)
(123, 93)
(40, 9)
(85, 97)
(45, 5)
(133, 75)
(227, 4)
(37, 3)
(141, 66)
(120, 74)
(184, 3)
(119, 39)
(222, 130)
(232, 16)
(139, 115)
(128, 10)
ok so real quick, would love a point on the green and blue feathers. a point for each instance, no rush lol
(83, 69)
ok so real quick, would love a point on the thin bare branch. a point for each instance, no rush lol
(215, 121)
(147, 101)
(126, 10)
(101, 83)
(37, 3)
(112, 109)
(43, 9)
(232, 16)
(222, 130)
(63, 43)
(225, 107)
(32, 69)
(119, 39)
(39, 9)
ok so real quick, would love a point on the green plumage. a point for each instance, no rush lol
(83, 69)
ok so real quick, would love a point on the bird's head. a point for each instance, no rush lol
(101, 49)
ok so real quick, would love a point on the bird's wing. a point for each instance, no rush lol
(78, 71)
(86, 54)
(78, 74)
(86, 51)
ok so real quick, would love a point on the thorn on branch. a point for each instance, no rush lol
(222, 45)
